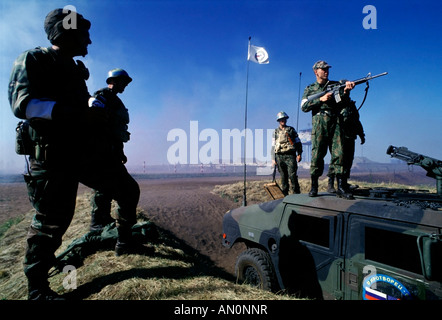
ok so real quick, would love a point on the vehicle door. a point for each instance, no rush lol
(315, 253)
(384, 261)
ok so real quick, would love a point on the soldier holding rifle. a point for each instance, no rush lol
(326, 132)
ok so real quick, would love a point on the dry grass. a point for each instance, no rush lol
(176, 271)
(255, 190)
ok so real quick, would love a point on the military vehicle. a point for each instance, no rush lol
(385, 244)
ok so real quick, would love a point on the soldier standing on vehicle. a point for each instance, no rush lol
(66, 146)
(326, 132)
(286, 152)
(351, 129)
(118, 120)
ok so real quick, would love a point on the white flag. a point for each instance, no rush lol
(258, 55)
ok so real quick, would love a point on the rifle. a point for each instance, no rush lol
(431, 165)
(335, 88)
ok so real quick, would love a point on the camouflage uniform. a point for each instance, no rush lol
(67, 147)
(284, 151)
(118, 119)
(326, 131)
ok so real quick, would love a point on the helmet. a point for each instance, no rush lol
(281, 115)
(118, 73)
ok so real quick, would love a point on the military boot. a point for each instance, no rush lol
(99, 224)
(342, 191)
(39, 290)
(314, 189)
(331, 182)
(350, 187)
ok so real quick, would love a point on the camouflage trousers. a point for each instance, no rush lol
(326, 135)
(53, 192)
(348, 157)
(288, 169)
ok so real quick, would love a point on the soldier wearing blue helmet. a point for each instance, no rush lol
(118, 74)
(118, 120)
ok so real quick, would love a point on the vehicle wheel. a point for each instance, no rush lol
(255, 268)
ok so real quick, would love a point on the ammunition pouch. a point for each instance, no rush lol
(23, 141)
(285, 148)
(30, 142)
(345, 114)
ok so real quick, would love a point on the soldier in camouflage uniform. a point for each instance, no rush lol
(286, 152)
(66, 144)
(118, 119)
(326, 131)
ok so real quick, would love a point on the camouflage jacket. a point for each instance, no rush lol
(286, 140)
(316, 105)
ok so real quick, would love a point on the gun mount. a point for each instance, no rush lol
(431, 165)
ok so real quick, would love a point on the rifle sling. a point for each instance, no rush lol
(290, 140)
(365, 96)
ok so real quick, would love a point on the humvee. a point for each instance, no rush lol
(386, 244)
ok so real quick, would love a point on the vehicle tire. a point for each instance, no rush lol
(254, 267)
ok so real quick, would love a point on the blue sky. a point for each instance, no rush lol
(188, 60)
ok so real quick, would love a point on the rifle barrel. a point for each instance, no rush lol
(365, 79)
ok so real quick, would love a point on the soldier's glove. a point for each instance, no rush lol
(97, 102)
(362, 137)
(97, 112)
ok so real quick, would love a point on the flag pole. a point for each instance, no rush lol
(244, 202)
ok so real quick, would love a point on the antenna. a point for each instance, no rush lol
(299, 96)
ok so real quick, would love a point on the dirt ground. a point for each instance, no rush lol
(189, 209)
(13, 200)
(184, 206)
